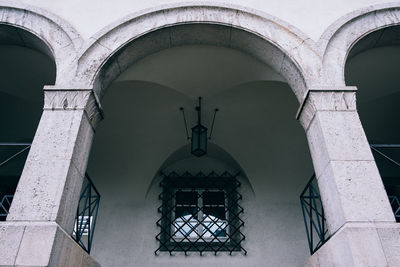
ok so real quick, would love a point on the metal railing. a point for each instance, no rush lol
(5, 205)
(395, 203)
(383, 151)
(313, 211)
(86, 215)
(10, 153)
(313, 215)
(24, 148)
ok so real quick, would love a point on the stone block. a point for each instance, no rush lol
(66, 252)
(352, 191)
(40, 187)
(10, 240)
(36, 245)
(335, 135)
(353, 245)
(390, 238)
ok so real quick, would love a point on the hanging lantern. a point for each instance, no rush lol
(199, 133)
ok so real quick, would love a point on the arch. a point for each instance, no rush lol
(267, 38)
(61, 39)
(341, 36)
(215, 153)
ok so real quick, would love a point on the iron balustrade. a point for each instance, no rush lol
(383, 152)
(89, 200)
(313, 215)
(395, 203)
(313, 211)
(5, 205)
(24, 148)
(86, 215)
(12, 161)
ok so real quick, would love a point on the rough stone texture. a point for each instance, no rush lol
(353, 191)
(36, 245)
(359, 244)
(10, 240)
(62, 39)
(341, 36)
(349, 181)
(107, 42)
(390, 239)
(39, 244)
(326, 99)
(52, 178)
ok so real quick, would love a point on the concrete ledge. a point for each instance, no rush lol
(360, 244)
(39, 244)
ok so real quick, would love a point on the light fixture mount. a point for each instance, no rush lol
(199, 132)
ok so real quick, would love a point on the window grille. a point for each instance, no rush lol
(200, 213)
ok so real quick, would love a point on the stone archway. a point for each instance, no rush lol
(60, 40)
(119, 45)
(340, 37)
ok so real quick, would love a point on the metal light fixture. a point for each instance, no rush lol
(199, 133)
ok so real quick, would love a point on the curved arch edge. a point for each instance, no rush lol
(337, 41)
(57, 34)
(296, 46)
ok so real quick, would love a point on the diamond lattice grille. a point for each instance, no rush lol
(200, 213)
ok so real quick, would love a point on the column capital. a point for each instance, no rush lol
(63, 98)
(326, 98)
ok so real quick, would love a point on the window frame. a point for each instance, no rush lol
(213, 182)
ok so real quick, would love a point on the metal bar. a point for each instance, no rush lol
(92, 184)
(15, 155)
(212, 124)
(14, 144)
(90, 214)
(385, 145)
(386, 157)
(184, 120)
(311, 230)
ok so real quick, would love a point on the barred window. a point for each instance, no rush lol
(200, 213)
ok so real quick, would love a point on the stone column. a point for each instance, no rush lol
(354, 199)
(43, 210)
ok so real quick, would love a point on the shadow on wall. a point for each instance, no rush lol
(216, 160)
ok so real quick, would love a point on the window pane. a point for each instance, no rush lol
(185, 226)
(218, 212)
(186, 198)
(214, 227)
(185, 211)
(214, 198)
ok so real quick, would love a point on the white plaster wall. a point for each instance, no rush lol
(256, 125)
(310, 16)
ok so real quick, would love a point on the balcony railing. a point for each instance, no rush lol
(15, 150)
(313, 215)
(389, 167)
(86, 215)
(12, 160)
(311, 204)
(5, 205)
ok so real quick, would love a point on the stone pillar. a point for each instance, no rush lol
(354, 199)
(42, 213)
